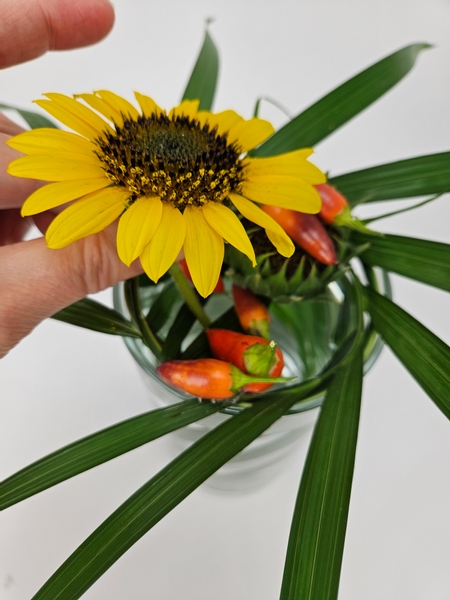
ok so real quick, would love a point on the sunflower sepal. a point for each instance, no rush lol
(287, 282)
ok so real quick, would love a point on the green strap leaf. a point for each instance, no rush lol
(160, 495)
(163, 307)
(180, 328)
(342, 104)
(202, 83)
(92, 315)
(317, 536)
(425, 356)
(133, 300)
(98, 448)
(422, 260)
(33, 119)
(419, 176)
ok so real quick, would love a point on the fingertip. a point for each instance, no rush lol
(29, 28)
(77, 24)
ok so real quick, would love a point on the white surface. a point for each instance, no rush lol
(62, 383)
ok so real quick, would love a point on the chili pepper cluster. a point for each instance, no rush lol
(250, 361)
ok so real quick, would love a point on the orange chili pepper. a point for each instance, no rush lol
(333, 202)
(306, 231)
(208, 377)
(252, 354)
(252, 313)
(219, 289)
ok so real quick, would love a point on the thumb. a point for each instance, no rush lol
(36, 281)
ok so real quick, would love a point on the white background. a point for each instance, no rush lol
(62, 383)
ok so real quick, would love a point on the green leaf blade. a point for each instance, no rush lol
(317, 536)
(425, 356)
(418, 176)
(422, 260)
(183, 322)
(203, 80)
(89, 314)
(160, 495)
(99, 448)
(33, 119)
(342, 104)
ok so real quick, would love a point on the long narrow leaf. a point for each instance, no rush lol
(342, 104)
(98, 448)
(316, 540)
(202, 83)
(160, 495)
(90, 314)
(419, 176)
(422, 260)
(180, 328)
(163, 307)
(33, 119)
(425, 356)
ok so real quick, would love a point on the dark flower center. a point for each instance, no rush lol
(176, 159)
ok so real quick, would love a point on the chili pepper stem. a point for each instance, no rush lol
(346, 219)
(239, 379)
(189, 294)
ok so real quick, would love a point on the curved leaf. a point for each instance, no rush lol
(419, 176)
(316, 540)
(342, 104)
(98, 448)
(202, 83)
(425, 356)
(92, 315)
(160, 495)
(178, 331)
(422, 260)
(33, 119)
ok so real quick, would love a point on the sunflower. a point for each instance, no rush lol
(176, 181)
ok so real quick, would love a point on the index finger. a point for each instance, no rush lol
(28, 28)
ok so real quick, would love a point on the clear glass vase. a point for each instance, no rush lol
(308, 333)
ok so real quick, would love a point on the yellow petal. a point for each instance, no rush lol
(137, 226)
(101, 106)
(203, 250)
(275, 232)
(91, 214)
(119, 105)
(81, 111)
(292, 164)
(67, 167)
(225, 223)
(249, 134)
(68, 118)
(55, 194)
(223, 120)
(148, 106)
(188, 108)
(40, 141)
(285, 192)
(160, 254)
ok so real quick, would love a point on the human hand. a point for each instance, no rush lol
(35, 281)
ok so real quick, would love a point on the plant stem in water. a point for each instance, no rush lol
(189, 294)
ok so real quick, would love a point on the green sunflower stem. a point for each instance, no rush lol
(132, 294)
(189, 295)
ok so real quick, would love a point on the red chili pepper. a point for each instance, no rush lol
(306, 231)
(333, 202)
(219, 289)
(252, 354)
(208, 377)
(252, 313)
